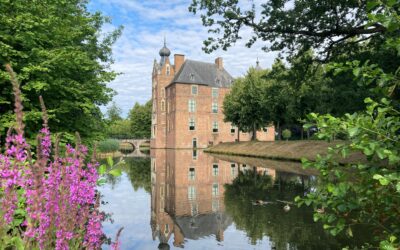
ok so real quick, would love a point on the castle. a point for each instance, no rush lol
(187, 104)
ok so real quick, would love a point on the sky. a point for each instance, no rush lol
(146, 23)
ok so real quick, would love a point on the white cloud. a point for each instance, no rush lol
(146, 23)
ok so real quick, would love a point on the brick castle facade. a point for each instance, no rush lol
(187, 104)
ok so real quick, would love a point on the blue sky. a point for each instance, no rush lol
(145, 24)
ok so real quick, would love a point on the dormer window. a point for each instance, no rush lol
(191, 76)
(217, 81)
(194, 90)
(168, 70)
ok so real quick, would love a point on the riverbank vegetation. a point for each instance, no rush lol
(281, 150)
(40, 192)
(341, 75)
(136, 125)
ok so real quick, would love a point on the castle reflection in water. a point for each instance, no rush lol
(187, 195)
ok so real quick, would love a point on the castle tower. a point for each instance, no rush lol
(163, 73)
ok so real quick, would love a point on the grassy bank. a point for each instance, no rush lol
(279, 150)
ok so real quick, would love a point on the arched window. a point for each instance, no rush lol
(168, 70)
(162, 106)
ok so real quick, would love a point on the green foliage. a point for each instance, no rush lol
(120, 129)
(359, 43)
(109, 169)
(55, 48)
(368, 191)
(114, 113)
(140, 118)
(107, 146)
(332, 28)
(244, 105)
(286, 134)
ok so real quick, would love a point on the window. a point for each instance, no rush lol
(192, 124)
(194, 142)
(215, 205)
(194, 155)
(214, 107)
(191, 192)
(215, 190)
(194, 209)
(162, 105)
(233, 129)
(215, 170)
(192, 105)
(192, 174)
(215, 127)
(168, 70)
(168, 107)
(217, 81)
(233, 169)
(191, 76)
(163, 93)
(168, 126)
(194, 90)
(214, 92)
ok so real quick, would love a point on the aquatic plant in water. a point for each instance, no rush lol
(48, 201)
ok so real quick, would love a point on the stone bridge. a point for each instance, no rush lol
(134, 142)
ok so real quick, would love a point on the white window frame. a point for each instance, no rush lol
(168, 70)
(215, 189)
(191, 192)
(192, 105)
(215, 128)
(215, 169)
(192, 174)
(214, 107)
(192, 123)
(214, 92)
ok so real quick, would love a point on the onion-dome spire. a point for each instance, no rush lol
(164, 52)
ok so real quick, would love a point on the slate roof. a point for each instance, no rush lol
(203, 225)
(195, 72)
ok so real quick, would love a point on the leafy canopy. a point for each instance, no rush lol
(59, 51)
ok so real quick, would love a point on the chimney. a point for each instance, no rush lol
(219, 63)
(178, 60)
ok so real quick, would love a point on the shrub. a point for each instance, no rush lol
(109, 145)
(286, 134)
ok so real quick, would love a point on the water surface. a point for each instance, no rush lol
(188, 199)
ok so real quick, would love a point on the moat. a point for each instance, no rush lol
(176, 199)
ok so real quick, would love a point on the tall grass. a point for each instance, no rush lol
(108, 146)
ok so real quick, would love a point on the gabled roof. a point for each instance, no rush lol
(195, 72)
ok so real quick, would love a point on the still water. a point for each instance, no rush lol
(175, 199)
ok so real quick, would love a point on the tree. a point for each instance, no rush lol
(55, 48)
(365, 191)
(243, 106)
(329, 28)
(114, 113)
(140, 118)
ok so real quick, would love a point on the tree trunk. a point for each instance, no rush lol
(254, 136)
(278, 129)
(238, 136)
(308, 134)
